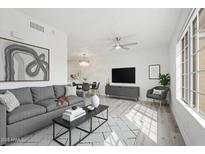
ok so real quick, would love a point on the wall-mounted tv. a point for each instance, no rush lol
(123, 75)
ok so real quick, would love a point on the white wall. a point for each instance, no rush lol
(11, 20)
(100, 67)
(191, 125)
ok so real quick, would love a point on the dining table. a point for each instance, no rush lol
(79, 85)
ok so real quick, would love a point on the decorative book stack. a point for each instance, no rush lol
(71, 114)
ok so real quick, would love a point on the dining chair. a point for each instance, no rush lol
(94, 84)
(78, 87)
(85, 87)
(74, 84)
(97, 88)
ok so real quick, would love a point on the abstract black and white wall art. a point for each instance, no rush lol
(23, 62)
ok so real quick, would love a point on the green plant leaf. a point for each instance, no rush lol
(164, 79)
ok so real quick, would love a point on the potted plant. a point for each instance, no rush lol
(164, 79)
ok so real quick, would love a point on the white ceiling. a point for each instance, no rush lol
(87, 29)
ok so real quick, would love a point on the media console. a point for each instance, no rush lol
(128, 92)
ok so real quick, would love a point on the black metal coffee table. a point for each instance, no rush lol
(74, 124)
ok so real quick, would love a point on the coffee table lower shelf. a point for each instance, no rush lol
(69, 130)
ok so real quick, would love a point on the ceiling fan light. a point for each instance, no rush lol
(117, 46)
(84, 63)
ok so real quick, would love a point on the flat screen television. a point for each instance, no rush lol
(123, 75)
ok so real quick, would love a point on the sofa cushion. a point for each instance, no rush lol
(158, 97)
(72, 99)
(59, 90)
(51, 104)
(23, 95)
(24, 112)
(42, 93)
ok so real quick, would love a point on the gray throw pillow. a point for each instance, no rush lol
(59, 90)
(23, 95)
(157, 92)
(42, 93)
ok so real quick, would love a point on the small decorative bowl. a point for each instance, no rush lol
(74, 107)
(90, 108)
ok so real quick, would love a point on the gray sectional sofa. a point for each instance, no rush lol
(38, 108)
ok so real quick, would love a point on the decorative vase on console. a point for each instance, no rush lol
(95, 101)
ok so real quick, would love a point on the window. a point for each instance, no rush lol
(192, 62)
(185, 72)
(201, 64)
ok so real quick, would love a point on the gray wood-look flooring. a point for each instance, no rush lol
(158, 124)
(130, 123)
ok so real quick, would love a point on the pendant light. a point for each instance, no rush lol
(84, 61)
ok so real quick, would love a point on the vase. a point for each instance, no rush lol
(95, 101)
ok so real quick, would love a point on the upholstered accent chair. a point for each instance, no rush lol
(161, 97)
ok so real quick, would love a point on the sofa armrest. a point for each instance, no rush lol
(2, 124)
(150, 91)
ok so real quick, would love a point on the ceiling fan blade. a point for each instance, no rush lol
(124, 48)
(128, 36)
(105, 39)
(128, 44)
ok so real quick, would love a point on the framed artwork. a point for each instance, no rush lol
(154, 71)
(23, 62)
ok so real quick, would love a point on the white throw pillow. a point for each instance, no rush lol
(9, 100)
(157, 92)
(70, 90)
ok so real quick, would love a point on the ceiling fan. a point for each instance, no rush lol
(118, 45)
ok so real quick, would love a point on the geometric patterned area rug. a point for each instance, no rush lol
(118, 131)
(126, 120)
